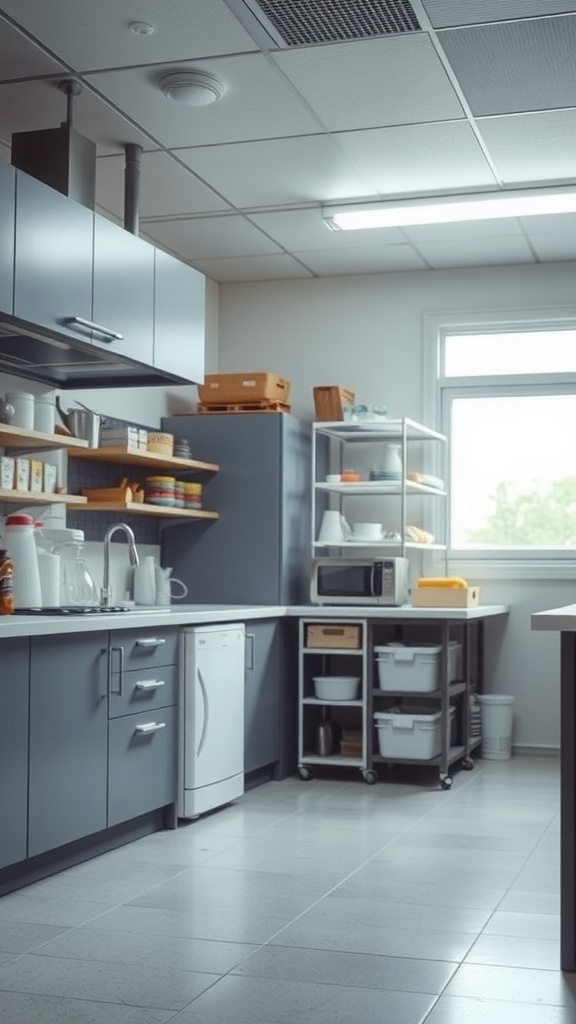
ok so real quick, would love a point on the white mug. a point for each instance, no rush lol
(334, 529)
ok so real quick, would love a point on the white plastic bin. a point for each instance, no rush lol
(410, 669)
(497, 715)
(405, 735)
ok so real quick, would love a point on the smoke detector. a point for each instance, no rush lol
(192, 88)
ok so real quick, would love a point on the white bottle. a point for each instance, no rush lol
(21, 547)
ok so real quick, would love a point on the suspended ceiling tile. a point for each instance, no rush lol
(30, 106)
(257, 104)
(209, 237)
(253, 268)
(532, 147)
(419, 158)
(88, 34)
(372, 83)
(279, 171)
(375, 259)
(445, 13)
(22, 58)
(464, 232)
(552, 224)
(476, 252)
(508, 68)
(166, 188)
(304, 230)
(550, 248)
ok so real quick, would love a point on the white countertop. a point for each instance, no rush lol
(197, 614)
(558, 619)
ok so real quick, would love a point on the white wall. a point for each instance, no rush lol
(365, 333)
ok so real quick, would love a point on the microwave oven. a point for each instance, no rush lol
(380, 581)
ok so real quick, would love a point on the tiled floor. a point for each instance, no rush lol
(321, 902)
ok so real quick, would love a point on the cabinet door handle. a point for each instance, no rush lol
(106, 333)
(143, 730)
(120, 690)
(250, 662)
(153, 641)
(150, 684)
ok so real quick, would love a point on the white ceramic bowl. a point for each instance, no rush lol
(336, 687)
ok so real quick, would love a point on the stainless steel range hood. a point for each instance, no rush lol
(35, 354)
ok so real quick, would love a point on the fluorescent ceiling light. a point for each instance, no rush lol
(449, 209)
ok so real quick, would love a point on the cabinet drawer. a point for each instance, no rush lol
(142, 764)
(142, 689)
(144, 647)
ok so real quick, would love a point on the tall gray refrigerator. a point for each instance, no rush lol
(258, 551)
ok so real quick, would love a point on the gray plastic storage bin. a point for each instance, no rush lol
(410, 669)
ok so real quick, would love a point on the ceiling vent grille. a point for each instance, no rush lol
(302, 22)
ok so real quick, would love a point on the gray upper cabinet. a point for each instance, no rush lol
(123, 299)
(179, 318)
(68, 739)
(7, 213)
(53, 258)
(14, 692)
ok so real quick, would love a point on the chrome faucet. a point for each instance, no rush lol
(106, 592)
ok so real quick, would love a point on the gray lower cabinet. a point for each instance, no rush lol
(142, 763)
(143, 722)
(14, 700)
(262, 741)
(68, 739)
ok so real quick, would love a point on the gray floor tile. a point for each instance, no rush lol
(236, 1000)
(120, 983)
(355, 969)
(533, 926)
(513, 984)
(459, 1010)
(24, 1008)
(249, 926)
(511, 951)
(21, 936)
(148, 949)
(311, 933)
(519, 900)
(19, 906)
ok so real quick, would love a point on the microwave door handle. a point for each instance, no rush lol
(376, 579)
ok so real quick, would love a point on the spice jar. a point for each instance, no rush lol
(6, 584)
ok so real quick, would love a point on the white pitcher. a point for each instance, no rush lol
(145, 581)
(334, 528)
(164, 585)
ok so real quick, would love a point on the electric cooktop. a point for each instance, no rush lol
(72, 609)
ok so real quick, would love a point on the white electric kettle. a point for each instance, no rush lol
(165, 584)
(334, 528)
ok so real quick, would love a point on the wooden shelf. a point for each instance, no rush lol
(17, 437)
(40, 498)
(151, 459)
(139, 508)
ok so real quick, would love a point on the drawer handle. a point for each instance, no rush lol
(143, 730)
(153, 641)
(150, 684)
(104, 331)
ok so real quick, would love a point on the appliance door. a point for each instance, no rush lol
(343, 581)
(213, 747)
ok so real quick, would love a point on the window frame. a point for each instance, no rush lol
(439, 392)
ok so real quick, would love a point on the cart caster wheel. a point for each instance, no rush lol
(446, 782)
(467, 764)
(305, 774)
(370, 777)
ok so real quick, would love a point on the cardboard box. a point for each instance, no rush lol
(7, 469)
(333, 635)
(445, 597)
(22, 474)
(329, 402)
(36, 475)
(236, 388)
(50, 478)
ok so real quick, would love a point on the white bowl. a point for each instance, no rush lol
(336, 687)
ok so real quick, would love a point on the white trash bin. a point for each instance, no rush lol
(497, 711)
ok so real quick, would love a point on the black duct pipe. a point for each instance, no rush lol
(132, 187)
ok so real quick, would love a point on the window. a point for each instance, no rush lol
(507, 399)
